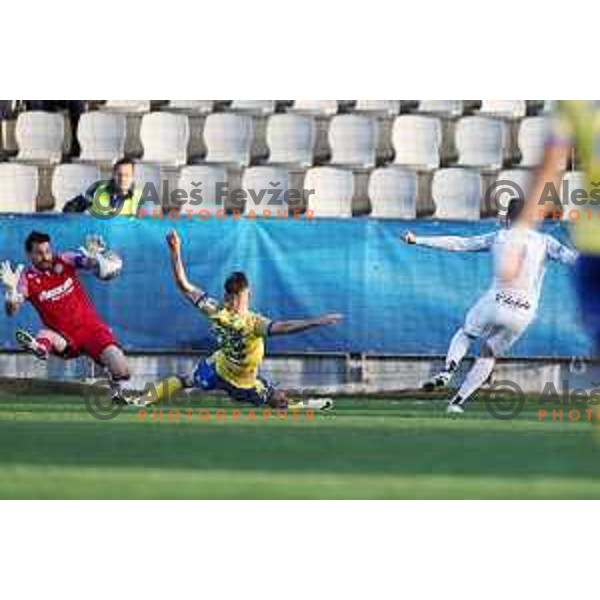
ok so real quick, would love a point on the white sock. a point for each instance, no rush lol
(459, 346)
(476, 377)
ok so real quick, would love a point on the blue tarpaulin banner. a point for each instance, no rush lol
(397, 299)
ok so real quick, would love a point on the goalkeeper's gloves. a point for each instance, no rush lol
(93, 246)
(106, 263)
(10, 281)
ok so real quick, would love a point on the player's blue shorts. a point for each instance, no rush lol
(587, 283)
(207, 378)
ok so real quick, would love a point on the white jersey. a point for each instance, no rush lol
(536, 247)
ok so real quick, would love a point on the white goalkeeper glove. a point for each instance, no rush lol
(93, 246)
(10, 281)
(107, 263)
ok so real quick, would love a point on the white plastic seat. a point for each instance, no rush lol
(291, 139)
(417, 140)
(333, 191)
(323, 108)
(18, 188)
(380, 107)
(127, 106)
(511, 109)
(393, 193)
(480, 142)
(572, 181)
(165, 138)
(101, 136)
(228, 138)
(533, 134)
(193, 107)
(72, 180)
(457, 194)
(258, 107)
(353, 140)
(257, 181)
(211, 190)
(508, 184)
(40, 136)
(450, 108)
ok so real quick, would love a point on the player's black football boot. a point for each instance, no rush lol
(30, 344)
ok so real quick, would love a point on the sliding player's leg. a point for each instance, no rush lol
(42, 345)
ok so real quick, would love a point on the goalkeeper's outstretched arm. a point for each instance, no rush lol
(192, 292)
(477, 243)
(298, 325)
(14, 298)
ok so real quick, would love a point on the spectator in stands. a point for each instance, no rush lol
(120, 194)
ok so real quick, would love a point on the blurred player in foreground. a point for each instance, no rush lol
(240, 334)
(72, 326)
(576, 126)
(504, 312)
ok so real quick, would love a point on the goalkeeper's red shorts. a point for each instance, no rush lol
(91, 341)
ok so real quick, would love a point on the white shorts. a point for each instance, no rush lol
(499, 319)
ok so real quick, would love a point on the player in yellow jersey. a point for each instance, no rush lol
(577, 125)
(240, 335)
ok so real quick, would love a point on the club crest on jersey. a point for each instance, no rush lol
(58, 269)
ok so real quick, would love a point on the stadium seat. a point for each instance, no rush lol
(291, 139)
(353, 140)
(457, 194)
(209, 177)
(72, 180)
(18, 188)
(572, 181)
(165, 138)
(510, 109)
(508, 184)
(480, 142)
(533, 133)
(228, 138)
(323, 108)
(127, 106)
(192, 107)
(40, 136)
(257, 181)
(148, 178)
(447, 108)
(101, 136)
(393, 193)
(333, 189)
(416, 140)
(257, 107)
(378, 107)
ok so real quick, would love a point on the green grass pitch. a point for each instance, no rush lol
(50, 447)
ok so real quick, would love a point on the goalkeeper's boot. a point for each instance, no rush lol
(439, 381)
(455, 407)
(31, 345)
(119, 399)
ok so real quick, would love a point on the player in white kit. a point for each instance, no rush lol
(504, 312)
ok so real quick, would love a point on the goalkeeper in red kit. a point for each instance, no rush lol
(72, 327)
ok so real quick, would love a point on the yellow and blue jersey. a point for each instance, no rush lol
(578, 124)
(240, 338)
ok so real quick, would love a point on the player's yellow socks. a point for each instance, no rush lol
(163, 390)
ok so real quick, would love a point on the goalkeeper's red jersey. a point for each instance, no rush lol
(60, 298)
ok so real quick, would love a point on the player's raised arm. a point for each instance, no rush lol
(297, 325)
(11, 280)
(192, 292)
(477, 243)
